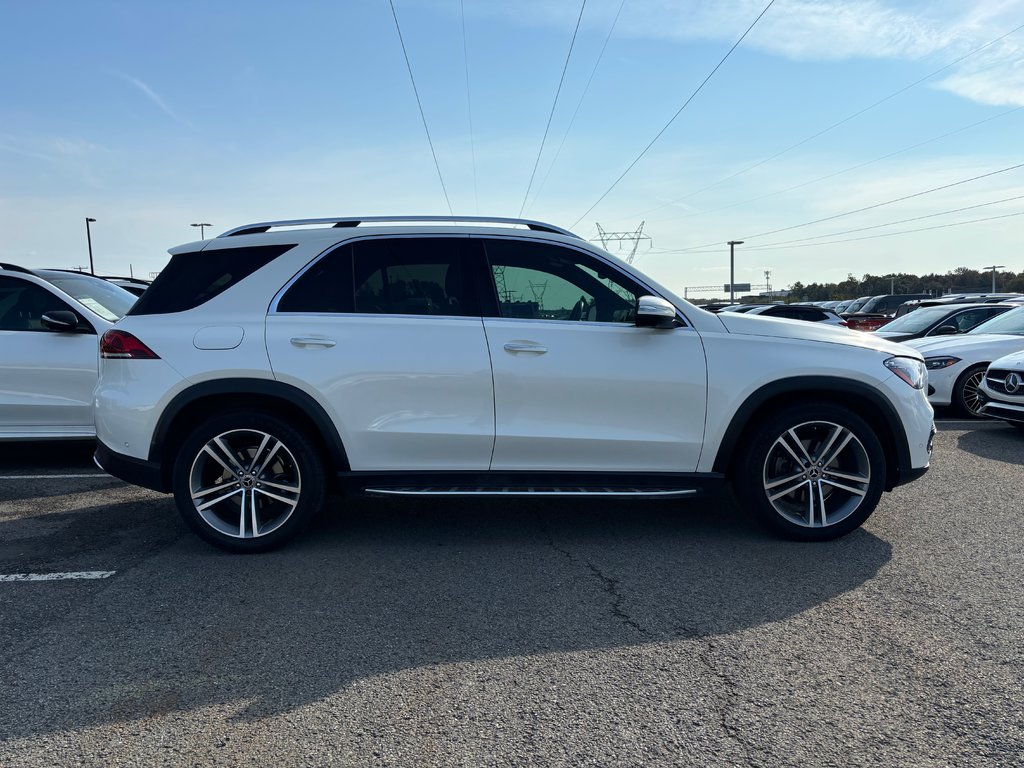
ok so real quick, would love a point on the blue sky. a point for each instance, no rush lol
(151, 116)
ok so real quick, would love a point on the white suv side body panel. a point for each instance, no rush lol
(601, 397)
(47, 379)
(408, 392)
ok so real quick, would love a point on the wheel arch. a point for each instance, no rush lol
(862, 399)
(202, 400)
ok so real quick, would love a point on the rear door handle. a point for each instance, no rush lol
(312, 341)
(525, 346)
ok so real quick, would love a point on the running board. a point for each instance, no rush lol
(607, 493)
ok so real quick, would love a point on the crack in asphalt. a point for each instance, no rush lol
(727, 702)
(609, 585)
(727, 685)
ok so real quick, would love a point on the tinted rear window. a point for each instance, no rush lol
(195, 277)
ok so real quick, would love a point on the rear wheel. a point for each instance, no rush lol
(248, 481)
(811, 472)
(967, 392)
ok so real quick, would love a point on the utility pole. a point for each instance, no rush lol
(88, 237)
(994, 268)
(768, 283)
(732, 269)
(633, 237)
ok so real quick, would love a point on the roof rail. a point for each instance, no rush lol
(349, 221)
(15, 268)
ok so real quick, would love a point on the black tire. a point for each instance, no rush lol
(766, 468)
(963, 397)
(280, 500)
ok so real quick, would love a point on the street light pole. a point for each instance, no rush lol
(88, 237)
(732, 269)
(202, 227)
(994, 268)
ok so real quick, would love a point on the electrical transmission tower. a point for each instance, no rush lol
(537, 289)
(623, 237)
(499, 279)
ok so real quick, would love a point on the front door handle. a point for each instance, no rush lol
(312, 341)
(525, 346)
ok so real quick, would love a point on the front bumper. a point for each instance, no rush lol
(1006, 411)
(148, 474)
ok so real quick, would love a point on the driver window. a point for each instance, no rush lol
(22, 305)
(538, 281)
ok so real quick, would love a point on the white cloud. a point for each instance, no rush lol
(153, 96)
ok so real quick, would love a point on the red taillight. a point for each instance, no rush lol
(844, 324)
(120, 345)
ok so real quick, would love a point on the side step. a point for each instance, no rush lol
(607, 493)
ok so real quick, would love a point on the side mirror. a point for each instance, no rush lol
(655, 312)
(60, 320)
(945, 330)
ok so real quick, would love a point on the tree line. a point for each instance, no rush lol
(959, 280)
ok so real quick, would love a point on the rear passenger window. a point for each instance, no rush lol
(411, 276)
(401, 276)
(193, 278)
(324, 287)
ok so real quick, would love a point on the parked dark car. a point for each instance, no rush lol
(940, 320)
(879, 311)
(855, 305)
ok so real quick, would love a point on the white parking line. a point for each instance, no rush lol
(49, 477)
(56, 576)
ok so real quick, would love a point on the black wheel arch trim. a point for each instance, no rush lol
(241, 386)
(827, 386)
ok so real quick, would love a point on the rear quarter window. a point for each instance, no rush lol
(195, 277)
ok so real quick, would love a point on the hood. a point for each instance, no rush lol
(1012, 362)
(963, 344)
(757, 325)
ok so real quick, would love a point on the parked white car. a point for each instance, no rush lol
(50, 323)
(447, 356)
(956, 364)
(1003, 390)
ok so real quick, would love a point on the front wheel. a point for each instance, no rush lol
(811, 472)
(247, 481)
(967, 392)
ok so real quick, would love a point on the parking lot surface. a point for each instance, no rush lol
(470, 632)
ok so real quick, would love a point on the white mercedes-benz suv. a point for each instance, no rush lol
(442, 356)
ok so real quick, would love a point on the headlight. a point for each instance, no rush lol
(938, 363)
(910, 369)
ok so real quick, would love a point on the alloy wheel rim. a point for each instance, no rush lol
(816, 474)
(245, 483)
(972, 393)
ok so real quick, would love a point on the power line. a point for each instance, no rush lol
(888, 224)
(835, 125)
(679, 112)
(846, 170)
(888, 234)
(869, 207)
(469, 104)
(420, 105)
(579, 104)
(553, 105)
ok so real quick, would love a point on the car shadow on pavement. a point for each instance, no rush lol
(384, 587)
(1005, 445)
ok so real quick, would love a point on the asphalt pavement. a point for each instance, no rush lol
(480, 633)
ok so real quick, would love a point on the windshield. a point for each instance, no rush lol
(1011, 323)
(105, 299)
(917, 320)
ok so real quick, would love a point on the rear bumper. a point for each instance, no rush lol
(130, 469)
